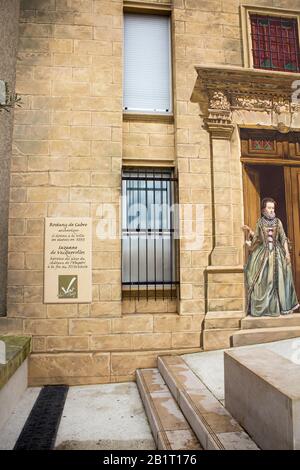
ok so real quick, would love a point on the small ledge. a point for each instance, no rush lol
(148, 117)
(225, 269)
(17, 351)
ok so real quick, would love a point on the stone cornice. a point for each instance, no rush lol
(223, 89)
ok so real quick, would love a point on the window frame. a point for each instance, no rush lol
(160, 287)
(160, 10)
(246, 11)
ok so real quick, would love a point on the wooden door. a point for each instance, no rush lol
(251, 185)
(292, 184)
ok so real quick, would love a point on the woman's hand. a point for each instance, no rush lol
(246, 229)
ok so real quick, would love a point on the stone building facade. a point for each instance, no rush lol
(71, 140)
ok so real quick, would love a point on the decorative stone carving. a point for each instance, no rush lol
(228, 89)
(219, 100)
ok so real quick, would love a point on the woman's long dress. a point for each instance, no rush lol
(269, 277)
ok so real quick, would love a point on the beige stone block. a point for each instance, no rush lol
(29, 179)
(81, 118)
(217, 339)
(120, 342)
(65, 365)
(217, 291)
(68, 210)
(133, 324)
(16, 226)
(102, 260)
(93, 47)
(38, 344)
(172, 323)
(95, 326)
(152, 306)
(80, 148)
(17, 194)
(46, 327)
(106, 308)
(31, 147)
(15, 294)
(191, 275)
(106, 180)
(73, 32)
(28, 44)
(71, 89)
(47, 194)
(67, 343)
(69, 178)
(23, 243)
(89, 195)
(105, 292)
(62, 310)
(27, 278)
(32, 30)
(27, 210)
(215, 305)
(106, 149)
(46, 164)
(106, 119)
(192, 306)
(11, 325)
(60, 132)
(16, 261)
(55, 73)
(106, 276)
(34, 261)
(33, 294)
(127, 363)
(151, 341)
(186, 340)
(29, 310)
(35, 227)
(83, 310)
(33, 87)
(18, 163)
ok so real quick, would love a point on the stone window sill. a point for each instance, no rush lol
(148, 117)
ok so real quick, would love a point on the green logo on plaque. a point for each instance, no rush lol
(67, 287)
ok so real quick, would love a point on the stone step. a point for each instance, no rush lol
(270, 322)
(219, 320)
(213, 425)
(264, 335)
(169, 427)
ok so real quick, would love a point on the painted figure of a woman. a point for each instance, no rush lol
(269, 277)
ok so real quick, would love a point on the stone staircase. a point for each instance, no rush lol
(183, 413)
(226, 329)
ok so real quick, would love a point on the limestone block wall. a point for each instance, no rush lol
(8, 46)
(70, 142)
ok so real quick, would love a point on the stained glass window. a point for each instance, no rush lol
(275, 43)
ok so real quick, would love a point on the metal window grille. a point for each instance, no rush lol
(275, 43)
(148, 233)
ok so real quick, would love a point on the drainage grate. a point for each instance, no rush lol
(39, 431)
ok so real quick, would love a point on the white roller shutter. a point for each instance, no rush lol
(147, 63)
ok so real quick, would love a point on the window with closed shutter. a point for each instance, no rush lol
(147, 63)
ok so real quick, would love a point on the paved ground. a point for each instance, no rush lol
(112, 416)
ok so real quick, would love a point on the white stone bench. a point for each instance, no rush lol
(262, 392)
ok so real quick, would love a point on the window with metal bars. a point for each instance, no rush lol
(275, 43)
(148, 233)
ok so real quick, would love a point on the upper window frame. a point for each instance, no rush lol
(246, 11)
